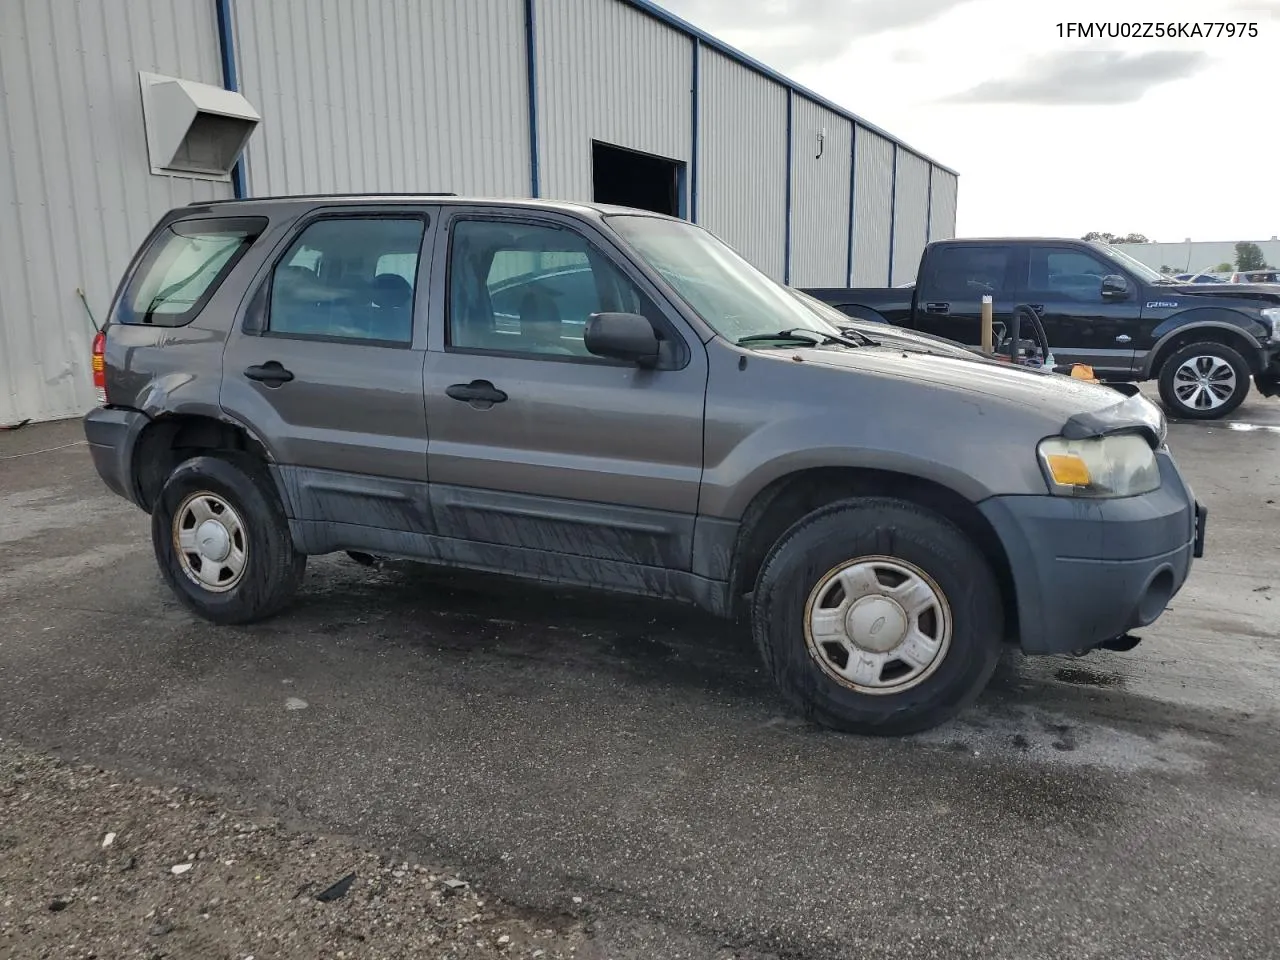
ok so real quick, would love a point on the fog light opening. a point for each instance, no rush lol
(1156, 597)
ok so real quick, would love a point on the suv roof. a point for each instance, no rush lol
(569, 206)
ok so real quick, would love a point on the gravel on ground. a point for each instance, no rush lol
(94, 864)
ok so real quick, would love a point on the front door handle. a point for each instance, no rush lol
(1123, 338)
(479, 393)
(937, 308)
(272, 373)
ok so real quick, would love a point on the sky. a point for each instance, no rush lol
(1051, 134)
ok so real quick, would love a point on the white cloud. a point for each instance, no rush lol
(1172, 138)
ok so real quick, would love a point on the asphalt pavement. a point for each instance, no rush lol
(626, 762)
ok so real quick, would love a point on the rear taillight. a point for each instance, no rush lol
(99, 365)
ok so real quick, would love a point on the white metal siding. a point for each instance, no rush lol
(910, 215)
(385, 95)
(820, 196)
(742, 172)
(873, 198)
(607, 72)
(942, 222)
(76, 192)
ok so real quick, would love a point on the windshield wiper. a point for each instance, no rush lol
(814, 338)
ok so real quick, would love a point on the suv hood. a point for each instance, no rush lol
(1057, 398)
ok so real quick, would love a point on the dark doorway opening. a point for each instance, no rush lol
(631, 179)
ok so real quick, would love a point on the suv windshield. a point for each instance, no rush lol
(1133, 266)
(731, 295)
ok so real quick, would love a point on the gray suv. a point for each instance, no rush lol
(609, 398)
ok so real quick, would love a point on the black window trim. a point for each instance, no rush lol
(680, 347)
(257, 316)
(124, 305)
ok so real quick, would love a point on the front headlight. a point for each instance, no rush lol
(1119, 465)
(1271, 319)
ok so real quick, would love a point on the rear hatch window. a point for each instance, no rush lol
(183, 267)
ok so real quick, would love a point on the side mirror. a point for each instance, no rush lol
(622, 336)
(1115, 287)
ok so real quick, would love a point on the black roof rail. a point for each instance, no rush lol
(317, 196)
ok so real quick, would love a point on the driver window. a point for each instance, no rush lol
(1064, 274)
(525, 288)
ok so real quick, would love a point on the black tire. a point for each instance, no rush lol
(1208, 348)
(902, 531)
(272, 569)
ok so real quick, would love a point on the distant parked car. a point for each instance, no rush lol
(1269, 275)
(1199, 278)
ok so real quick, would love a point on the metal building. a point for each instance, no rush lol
(112, 111)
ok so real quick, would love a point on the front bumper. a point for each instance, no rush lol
(1268, 379)
(112, 434)
(1088, 571)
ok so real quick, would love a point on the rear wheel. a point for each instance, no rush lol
(877, 616)
(222, 540)
(1204, 381)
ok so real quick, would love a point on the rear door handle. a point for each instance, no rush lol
(937, 308)
(272, 373)
(479, 393)
(1123, 338)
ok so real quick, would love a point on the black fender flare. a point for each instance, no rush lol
(1237, 324)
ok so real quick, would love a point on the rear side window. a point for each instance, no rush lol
(183, 267)
(966, 273)
(349, 278)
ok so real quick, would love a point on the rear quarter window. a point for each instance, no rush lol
(183, 267)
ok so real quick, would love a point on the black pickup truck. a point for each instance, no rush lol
(1098, 306)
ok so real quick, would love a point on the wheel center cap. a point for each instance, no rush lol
(213, 541)
(876, 624)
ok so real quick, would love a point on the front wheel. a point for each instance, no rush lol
(222, 540)
(877, 616)
(1204, 381)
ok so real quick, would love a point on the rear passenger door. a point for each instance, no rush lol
(571, 454)
(955, 279)
(326, 368)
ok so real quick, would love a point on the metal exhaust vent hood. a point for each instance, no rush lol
(194, 129)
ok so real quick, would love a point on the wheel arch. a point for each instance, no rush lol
(1183, 330)
(171, 438)
(787, 499)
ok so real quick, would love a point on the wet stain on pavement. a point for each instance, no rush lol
(1087, 678)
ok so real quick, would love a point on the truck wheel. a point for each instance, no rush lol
(877, 616)
(222, 540)
(1204, 381)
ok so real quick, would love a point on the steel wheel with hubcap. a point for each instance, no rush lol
(877, 615)
(222, 539)
(877, 625)
(1204, 381)
(209, 542)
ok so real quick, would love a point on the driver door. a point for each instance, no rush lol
(534, 443)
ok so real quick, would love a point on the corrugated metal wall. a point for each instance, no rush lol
(742, 172)
(385, 95)
(942, 222)
(819, 196)
(76, 192)
(910, 215)
(873, 202)
(607, 72)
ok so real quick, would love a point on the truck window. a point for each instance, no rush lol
(966, 273)
(183, 267)
(1061, 273)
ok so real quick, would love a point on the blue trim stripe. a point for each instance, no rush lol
(786, 253)
(693, 134)
(531, 58)
(928, 210)
(893, 209)
(684, 26)
(853, 196)
(227, 53)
